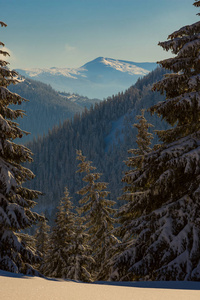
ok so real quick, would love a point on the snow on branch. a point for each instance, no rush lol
(186, 30)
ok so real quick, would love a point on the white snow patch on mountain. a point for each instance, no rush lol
(124, 67)
(66, 72)
(99, 78)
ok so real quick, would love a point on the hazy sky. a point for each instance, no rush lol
(69, 33)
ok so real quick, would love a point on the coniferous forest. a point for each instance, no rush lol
(45, 107)
(117, 186)
(104, 132)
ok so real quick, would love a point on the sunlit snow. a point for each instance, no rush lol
(19, 287)
(67, 72)
(124, 67)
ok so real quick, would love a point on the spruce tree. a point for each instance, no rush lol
(67, 256)
(165, 191)
(126, 213)
(42, 236)
(42, 240)
(17, 253)
(80, 260)
(56, 260)
(97, 211)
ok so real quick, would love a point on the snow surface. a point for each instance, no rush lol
(123, 66)
(67, 72)
(20, 287)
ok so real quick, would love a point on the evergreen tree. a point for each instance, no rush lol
(56, 260)
(17, 253)
(79, 258)
(67, 256)
(165, 191)
(42, 240)
(126, 213)
(97, 211)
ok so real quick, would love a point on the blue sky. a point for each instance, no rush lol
(69, 33)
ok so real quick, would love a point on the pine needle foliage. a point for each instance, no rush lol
(56, 260)
(135, 163)
(42, 236)
(166, 200)
(17, 253)
(67, 256)
(96, 212)
(127, 212)
(80, 260)
(42, 239)
(143, 140)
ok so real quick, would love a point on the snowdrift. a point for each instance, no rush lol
(20, 287)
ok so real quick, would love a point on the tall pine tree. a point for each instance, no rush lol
(97, 211)
(80, 260)
(42, 236)
(16, 251)
(56, 259)
(166, 190)
(126, 213)
(67, 256)
(42, 240)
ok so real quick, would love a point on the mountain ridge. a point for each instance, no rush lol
(104, 133)
(46, 108)
(99, 78)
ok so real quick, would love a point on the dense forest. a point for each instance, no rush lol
(46, 107)
(104, 133)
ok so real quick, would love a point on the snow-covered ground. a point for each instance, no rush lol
(20, 287)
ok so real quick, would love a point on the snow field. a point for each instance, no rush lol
(19, 287)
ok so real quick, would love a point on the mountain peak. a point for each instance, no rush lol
(99, 78)
(129, 67)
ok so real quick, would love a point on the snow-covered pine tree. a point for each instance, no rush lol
(16, 251)
(42, 236)
(126, 213)
(67, 256)
(97, 211)
(80, 260)
(166, 190)
(56, 259)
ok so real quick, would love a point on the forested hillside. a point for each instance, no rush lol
(46, 107)
(79, 100)
(104, 134)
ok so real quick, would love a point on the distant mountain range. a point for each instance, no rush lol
(98, 78)
(46, 108)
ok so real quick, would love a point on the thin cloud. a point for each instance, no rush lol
(70, 48)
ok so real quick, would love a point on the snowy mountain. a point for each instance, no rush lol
(99, 78)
